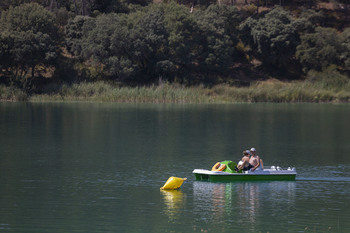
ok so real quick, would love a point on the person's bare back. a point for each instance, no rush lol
(244, 161)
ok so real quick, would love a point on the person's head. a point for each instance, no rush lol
(246, 152)
(253, 150)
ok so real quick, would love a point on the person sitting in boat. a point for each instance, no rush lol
(255, 163)
(244, 162)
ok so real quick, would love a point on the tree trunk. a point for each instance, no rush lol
(76, 8)
(33, 71)
(83, 12)
(53, 3)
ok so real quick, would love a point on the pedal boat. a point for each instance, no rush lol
(273, 173)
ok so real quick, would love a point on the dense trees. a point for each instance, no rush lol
(167, 42)
(320, 49)
(219, 27)
(138, 42)
(273, 37)
(28, 39)
(346, 53)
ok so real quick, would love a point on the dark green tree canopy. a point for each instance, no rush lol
(346, 53)
(28, 38)
(320, 49)
(273, 37)
(30, 17)
(219, 29)
(140, 42)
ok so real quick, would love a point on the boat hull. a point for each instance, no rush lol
(265, 175)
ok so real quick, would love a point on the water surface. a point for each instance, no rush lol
(90, 167)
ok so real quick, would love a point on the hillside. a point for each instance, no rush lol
(140, 43)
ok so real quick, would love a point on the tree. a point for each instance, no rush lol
(183, 44)
(320, 49)
(74, 34)
(115, 6)
(158, 41)
(219, 30)
(346, 43)
(28, 39)
(107, 41)
(273, 37)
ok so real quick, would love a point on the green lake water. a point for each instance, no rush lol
(97, 167)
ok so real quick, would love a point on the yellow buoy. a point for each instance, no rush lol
(173, 183)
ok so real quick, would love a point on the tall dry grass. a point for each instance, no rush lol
(266, 91)
(12, 94)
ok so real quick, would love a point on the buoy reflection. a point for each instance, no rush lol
(174, 202)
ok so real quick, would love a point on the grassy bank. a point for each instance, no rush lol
(12, 94)
(267, 91)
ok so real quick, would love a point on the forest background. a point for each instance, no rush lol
(175, 51)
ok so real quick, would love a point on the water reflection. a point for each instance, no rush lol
(244, 201)
(174, 202)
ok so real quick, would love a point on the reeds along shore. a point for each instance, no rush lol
(273, 91)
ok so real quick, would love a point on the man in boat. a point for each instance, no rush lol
(244, 162)
(254, 162)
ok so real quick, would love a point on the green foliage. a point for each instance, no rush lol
(29, 17)
(28, 39)
(273, 37)
(12, 94)
(63, 16)
(137, 42)
(309, 20)
(329, 79)
(219, 30)
(268, 91)
(320, 49)
(167, 41)
(106, 40)
(184, 37)
(102, 91)
(6, 4)
(346, 43)
(116, 6)
(74, 34)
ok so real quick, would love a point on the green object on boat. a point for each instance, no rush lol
(230, 166)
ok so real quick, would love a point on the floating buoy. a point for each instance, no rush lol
(173, 183)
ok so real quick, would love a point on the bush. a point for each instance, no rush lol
(12, 94)
(320, 49)
(329, 79)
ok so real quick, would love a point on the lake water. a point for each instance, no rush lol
(93, 167)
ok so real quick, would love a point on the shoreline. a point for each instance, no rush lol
(270, 91)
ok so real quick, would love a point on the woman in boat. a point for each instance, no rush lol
(243, 164)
